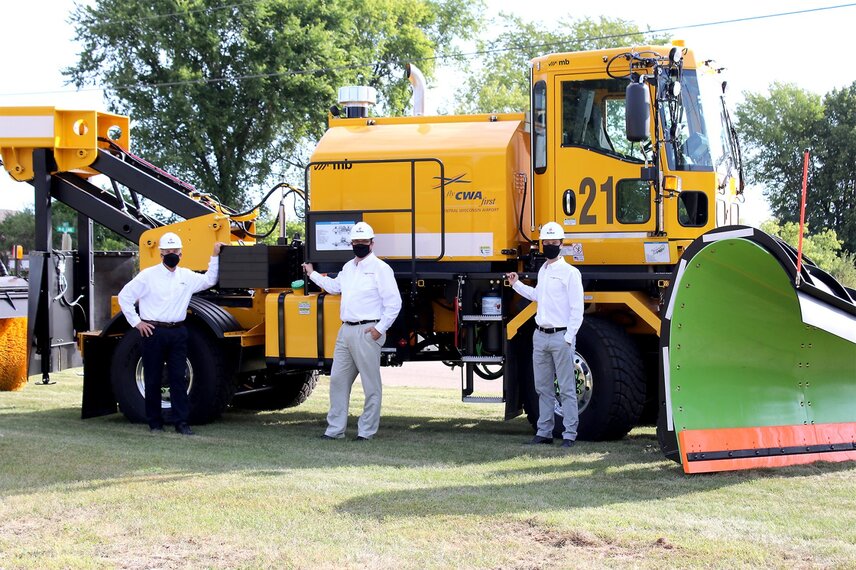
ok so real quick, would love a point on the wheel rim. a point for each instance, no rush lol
(584, 385)
(166, 403)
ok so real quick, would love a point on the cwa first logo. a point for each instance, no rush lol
(470, 196)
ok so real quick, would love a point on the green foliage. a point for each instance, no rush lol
(19, 229)
(222, 95)
(776, 128)
(844, 269)
(835, 187)
(292, 228)
(503, 83)
(822, 248)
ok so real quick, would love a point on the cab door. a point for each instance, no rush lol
(600, 196)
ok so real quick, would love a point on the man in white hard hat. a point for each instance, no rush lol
(559, 294)
(370, 303)
(163, 292)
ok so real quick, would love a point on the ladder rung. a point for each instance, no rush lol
(481, 318)
(482, 359)
(483, 399)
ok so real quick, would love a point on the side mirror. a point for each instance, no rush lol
(676, 56)
(637, 112)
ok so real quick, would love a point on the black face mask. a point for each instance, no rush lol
(361, 250)
(171, 260)
(552, 251)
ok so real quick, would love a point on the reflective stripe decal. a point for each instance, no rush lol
(667, 381)
(747, 232)
(27, 127)
(827, 318)
(606, 235)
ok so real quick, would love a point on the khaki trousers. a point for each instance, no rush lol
(355, 353)
(553, 361)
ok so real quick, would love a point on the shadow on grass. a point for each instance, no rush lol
(44, 449)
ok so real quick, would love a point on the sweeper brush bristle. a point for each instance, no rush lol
(13, 354)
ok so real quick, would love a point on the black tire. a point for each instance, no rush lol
(286, 390)
(617, 395)
(211, 385)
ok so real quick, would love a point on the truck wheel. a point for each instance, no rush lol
(209, 384)
(287, 390)
(610, 379)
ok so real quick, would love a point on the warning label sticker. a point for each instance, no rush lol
(575, 251)
(656, 252)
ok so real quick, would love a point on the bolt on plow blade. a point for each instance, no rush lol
(757, 368)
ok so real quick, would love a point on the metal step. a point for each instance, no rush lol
(481, 318)
(482, 359)
(483, 399)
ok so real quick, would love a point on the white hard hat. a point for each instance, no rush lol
(170, 240)
(361, 230)
(552, 230)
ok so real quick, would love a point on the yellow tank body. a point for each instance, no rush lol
(483, 160)
(291, 327)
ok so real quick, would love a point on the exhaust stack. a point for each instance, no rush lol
(414, 74)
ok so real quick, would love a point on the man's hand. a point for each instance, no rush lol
(512, 278)
(374, 332)
(307, 267)
(217, 247)
(146, 329)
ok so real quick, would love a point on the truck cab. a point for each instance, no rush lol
(622, 202)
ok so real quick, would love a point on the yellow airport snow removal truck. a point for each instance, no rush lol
(703, 324)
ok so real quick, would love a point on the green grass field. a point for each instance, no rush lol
(444, 485)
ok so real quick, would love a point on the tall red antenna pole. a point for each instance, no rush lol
(802, 215)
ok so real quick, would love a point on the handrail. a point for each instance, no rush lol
(412, 210)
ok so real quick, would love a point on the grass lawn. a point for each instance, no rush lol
(444, 485)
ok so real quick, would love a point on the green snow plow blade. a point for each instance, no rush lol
(755, 369)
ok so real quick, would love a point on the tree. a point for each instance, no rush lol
(503, 83)
(822, 248)
(18, 228)
(776, 128)
(222, 94)
(835, 188)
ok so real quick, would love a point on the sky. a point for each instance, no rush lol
(804, 49)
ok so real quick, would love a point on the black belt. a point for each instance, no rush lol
(550, 331)
(354, 323)
(166, 325)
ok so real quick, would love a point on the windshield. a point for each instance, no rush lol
(593, 118)
(698, 142)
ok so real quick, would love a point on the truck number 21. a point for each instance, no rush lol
(589, 188)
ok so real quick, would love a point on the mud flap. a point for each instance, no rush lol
(755, 369)
(98, 397)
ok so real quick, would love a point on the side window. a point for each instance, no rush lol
(633, 201)
(539, 126)
(593, 118)
(692, 209)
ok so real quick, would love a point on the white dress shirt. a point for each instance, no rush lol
(559, 294)
(164, 295)
(369, 291)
